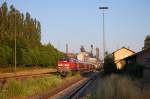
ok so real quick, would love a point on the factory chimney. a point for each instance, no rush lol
(67, 49)
(97, 53)
(91, 50)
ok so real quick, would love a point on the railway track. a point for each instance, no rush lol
(22, 75)
(75, 90)
(76, 87)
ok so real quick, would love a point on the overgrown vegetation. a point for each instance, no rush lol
(31, 86)
(73, 74)
(134, 70)
(28, 87)
(120, 87)
(147, 42)
(30, 51)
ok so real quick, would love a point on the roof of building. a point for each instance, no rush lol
(138, 53)
(123, 48)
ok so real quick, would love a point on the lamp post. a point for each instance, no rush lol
(104, 43)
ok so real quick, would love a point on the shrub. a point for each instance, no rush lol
(134, 70)
(109, 65)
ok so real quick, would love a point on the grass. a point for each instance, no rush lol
(14, 88)
(31, 86)
(70, 74)
(10, 69)
(120, 87)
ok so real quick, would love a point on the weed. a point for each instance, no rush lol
(28, 87)
(120, 87)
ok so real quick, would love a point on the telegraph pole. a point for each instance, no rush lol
(104, 43)
(14, 39)
(15, 44)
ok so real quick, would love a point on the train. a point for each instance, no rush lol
(66, 65)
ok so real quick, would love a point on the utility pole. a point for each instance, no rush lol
(15, 43)
(104, 43)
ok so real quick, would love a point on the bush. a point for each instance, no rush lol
(134, 70)
(5, 55)
(109, 65)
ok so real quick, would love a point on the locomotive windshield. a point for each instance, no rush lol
(64, 59)
(68, 59)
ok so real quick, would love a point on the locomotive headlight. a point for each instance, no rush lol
(60, 65)
(67, 67)
(66, 64)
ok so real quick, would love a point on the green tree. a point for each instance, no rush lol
(109, 65)
(30, 50)
(147, 42)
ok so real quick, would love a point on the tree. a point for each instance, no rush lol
(109, 65)
(147, 42)
(30, 50)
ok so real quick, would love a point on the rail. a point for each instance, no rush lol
(74, 91)
(24, 74)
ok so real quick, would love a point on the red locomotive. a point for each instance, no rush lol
(73, 65)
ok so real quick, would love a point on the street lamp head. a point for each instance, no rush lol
(103, 7)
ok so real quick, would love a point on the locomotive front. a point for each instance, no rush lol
(66, 65)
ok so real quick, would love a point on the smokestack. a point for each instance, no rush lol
(66, 48)
(82, 49)
(91, 50)
(97, 53)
